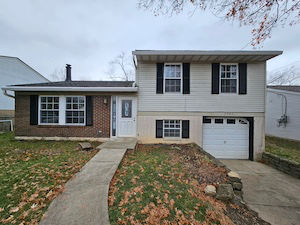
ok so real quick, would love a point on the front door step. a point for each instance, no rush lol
(119, 143)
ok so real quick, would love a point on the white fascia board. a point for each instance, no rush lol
(195, 52)
(273, 90)
(75, 89)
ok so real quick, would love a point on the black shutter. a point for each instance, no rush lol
(242, 78)
(89, 111)
(159, 128)
(186, 78)
(215, 80)
(34, 105)
(159, 78)
(185, 129)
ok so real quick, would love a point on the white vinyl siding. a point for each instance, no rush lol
(14, 71)
(275, 109)
(200, 98)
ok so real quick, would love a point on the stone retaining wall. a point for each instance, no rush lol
(284, 165)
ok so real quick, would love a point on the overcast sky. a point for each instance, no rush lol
(89, 33)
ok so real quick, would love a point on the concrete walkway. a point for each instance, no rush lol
(271, 193)
(84, 200)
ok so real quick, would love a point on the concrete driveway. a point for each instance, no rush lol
(271, 193)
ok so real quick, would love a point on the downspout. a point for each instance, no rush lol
(8, 95)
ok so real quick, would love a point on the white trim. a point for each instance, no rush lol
(272, 90)
(237, 79)
(39, 110)
(75, 89)
(61, 111)
(173, 78)
(180, 129)
(197, 52)
(111, 116)
(84, 110)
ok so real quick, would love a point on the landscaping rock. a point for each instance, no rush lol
(225, 192)
(210, 190)
(85, 145)
(238, 193)
(234, 177)
(237, 186)
(237, 200)
(20, 150)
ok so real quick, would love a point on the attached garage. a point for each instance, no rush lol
(226, 138)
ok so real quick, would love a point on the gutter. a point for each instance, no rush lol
(6, 94)
(75, 89)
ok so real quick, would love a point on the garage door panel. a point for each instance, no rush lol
(229, 141)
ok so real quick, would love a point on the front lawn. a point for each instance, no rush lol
(33, 173)
(163, 184)
(284, 148)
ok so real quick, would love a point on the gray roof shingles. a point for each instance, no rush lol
(81, 84)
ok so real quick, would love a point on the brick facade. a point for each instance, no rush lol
(100, 128)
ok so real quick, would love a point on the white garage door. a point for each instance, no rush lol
(226, 138)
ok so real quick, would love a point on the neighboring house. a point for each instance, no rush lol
(283, 112)
(14, 71)
(213, 98)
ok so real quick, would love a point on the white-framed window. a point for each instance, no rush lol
(75, 109)
(172, 128)
(49, 109)
(228, 78)
(173, 77)
(62, 110)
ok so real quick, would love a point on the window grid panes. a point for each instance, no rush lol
(228, 78)
(172, 75)
(49, 110)
(172, 128)
(75, 110)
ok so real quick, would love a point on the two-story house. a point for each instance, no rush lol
(14, 71)
(213, 98)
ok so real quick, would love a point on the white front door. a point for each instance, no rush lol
(126, 117)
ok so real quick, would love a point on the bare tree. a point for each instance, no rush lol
(287, 76)
(262, 15)
(121, 68)
(58, 75)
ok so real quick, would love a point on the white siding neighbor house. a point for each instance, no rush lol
(213, 98)
(283, 112)
(14, 71)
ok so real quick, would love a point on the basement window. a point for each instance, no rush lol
(172, 128)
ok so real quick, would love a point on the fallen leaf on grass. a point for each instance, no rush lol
(172, 202)
(8, 220)
(1, 209)
(22, 204)
(23, 215)
(49, 194)
(34, 206)
(13, 210)
(32, 197)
